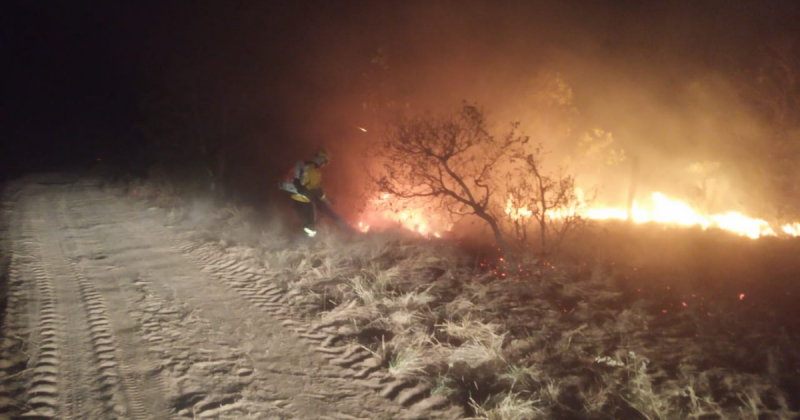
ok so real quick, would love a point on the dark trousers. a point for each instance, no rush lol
(306, 213)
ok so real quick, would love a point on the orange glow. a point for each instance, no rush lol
(516, 213)
(660, 209)
(416, 220)
(792, 229)
(670, 211)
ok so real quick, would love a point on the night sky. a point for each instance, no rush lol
(81, 76)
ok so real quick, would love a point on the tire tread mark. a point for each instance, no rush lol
(261, 294)
(112, 362)
(45, 334)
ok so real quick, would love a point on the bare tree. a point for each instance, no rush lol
(551, 201)
(450, 162)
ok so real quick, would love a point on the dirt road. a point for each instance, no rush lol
(112, 313)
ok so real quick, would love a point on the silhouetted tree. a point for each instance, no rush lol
(450, 162)
(455, 164)
(551, 201)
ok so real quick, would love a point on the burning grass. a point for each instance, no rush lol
(659, 325)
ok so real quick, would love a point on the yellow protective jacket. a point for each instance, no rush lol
(310, 176)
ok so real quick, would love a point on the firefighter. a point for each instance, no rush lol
(304, 182)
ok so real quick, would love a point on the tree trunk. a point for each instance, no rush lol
(543, 234)
(498, 234)
(545, 209)
(634, 182)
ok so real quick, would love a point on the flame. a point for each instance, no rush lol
(670, 211)
(661, 209)
(415, 220)
(792, 229)
(516, 213)
(667, 211)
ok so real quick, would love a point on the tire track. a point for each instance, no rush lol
(355, 362)
(79, 387)
(186, 353)
(13, 319)
(75, 369)
(113, 368)
(210, 333)
(128, 389)
(44, 394)
(182, 351)
(13, 335)
(240, 277)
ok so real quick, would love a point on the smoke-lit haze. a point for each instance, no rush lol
(664, 78)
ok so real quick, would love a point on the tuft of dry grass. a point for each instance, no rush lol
(482, 343)
(520, 376)
(411, 356)
(470, 329)
(366, 291)
(510, 406)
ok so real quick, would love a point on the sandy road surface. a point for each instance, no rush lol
(111, 313)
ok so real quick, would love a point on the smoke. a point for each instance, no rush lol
(664, 80)
(661, 77)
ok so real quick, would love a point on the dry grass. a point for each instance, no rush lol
(552, 346)
(236, 216)
(410, 358)
(507, 407)
(482, 343)
(520, 376)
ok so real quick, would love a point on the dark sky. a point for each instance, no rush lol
(78, 72)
